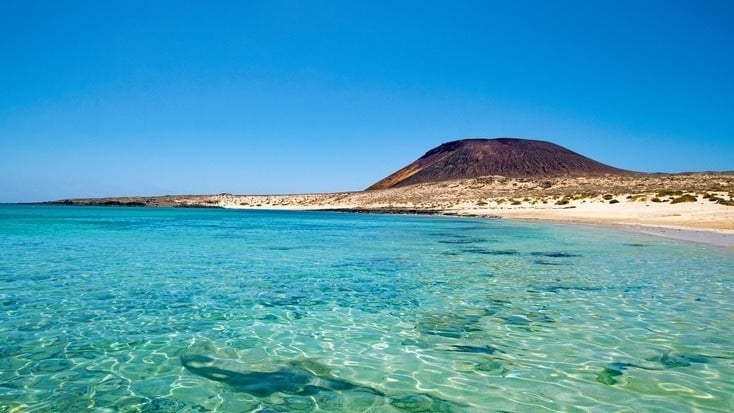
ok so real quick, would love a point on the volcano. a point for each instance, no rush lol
(510, 157)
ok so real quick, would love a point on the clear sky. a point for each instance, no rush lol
(102, 98)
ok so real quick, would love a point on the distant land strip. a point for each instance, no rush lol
(503, 178)
(715, 187)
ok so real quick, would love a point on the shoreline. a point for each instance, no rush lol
(708, 236)
(697, 207)
(714, 237)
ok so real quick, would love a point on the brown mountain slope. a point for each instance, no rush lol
(510, 157)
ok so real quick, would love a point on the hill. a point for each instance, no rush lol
(509, 157)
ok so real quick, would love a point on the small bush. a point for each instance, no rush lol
(656, 199)
(563, 201)
(684, 198)
(614, 201)
(607, 197)
(668, 192)
(721, 201)
(514, 202)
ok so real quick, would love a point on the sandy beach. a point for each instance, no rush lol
(699, 222)
(693, 207)
(710, 224)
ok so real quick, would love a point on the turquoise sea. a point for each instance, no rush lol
(198, 310)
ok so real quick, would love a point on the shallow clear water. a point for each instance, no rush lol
(114, 309)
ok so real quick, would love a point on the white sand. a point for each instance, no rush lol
(700, 221)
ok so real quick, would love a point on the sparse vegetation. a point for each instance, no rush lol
(637, 197)
(684, 198)
(584, 195)
(668, 192)
(719, 200)
(488, 193)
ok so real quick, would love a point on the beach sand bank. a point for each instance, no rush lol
(702, 224)
(699, 221)
(690, 207)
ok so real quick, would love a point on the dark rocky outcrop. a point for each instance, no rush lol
(510, 157)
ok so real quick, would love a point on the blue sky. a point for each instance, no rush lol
(145, 98)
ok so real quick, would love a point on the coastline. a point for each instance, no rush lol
(714, 237)
(696, 207)
(700, 233)
(710, 237)
(696, 222)
(710, 234)
(700, 223)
